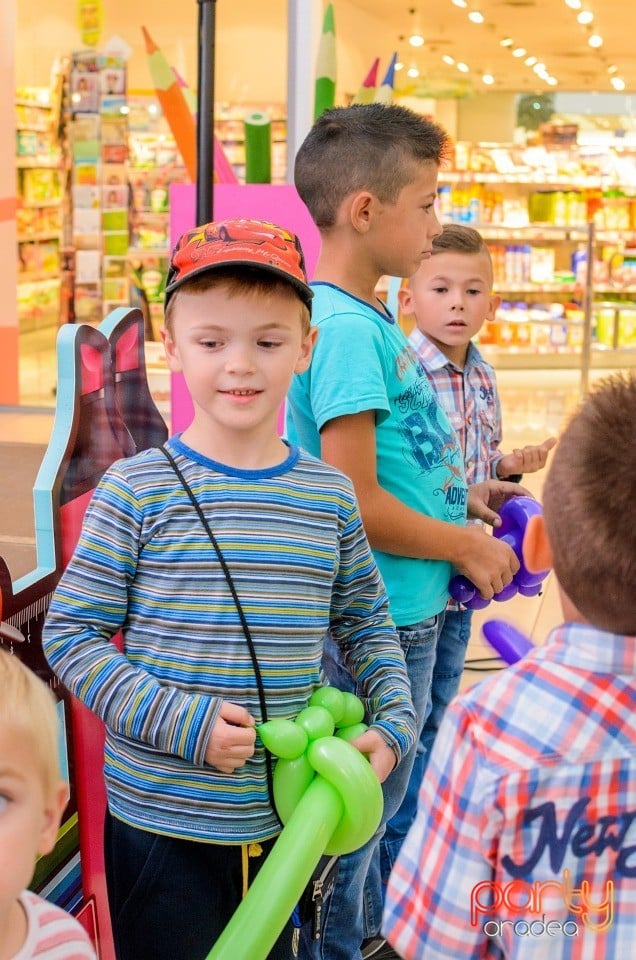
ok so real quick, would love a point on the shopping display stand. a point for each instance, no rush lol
(104, 411)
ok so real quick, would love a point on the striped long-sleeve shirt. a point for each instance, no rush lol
(51, 933)
(524, 844)
(294, 542)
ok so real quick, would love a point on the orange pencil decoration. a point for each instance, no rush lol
(174, 105)
(223, 169)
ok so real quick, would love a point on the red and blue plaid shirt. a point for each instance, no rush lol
(524, 844)
(470, 401)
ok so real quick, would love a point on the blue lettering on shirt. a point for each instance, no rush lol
(583, 838)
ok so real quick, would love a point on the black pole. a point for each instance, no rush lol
(205, 112)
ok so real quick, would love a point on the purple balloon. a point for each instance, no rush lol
(532, 590)
(510, 590)
(511, 644)
(477, 602)
(461, 589)
(515, 514)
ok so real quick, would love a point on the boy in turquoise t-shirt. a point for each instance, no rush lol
(368, 175)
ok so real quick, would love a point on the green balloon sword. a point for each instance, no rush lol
(329, 800)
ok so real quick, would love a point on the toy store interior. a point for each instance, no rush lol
(543, 164)
(99, 103)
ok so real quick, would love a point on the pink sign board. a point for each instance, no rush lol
(278, 204)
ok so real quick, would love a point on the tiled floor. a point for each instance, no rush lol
(535, 405)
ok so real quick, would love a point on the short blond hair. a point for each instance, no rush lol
(239, 282)
(29, 707)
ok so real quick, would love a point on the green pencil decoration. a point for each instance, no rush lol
(325, 87)
(258, 147)
(367, 91)
(384, 93)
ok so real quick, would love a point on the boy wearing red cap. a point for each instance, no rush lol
(190, 817)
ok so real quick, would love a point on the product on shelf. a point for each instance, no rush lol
(100, 183)
(40, 189)
(534, 206)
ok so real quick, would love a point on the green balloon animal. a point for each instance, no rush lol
(329, 800)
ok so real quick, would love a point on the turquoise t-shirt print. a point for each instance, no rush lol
(363, 361)
(429, 441)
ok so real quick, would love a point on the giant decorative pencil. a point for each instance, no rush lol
(325, 88)
(188, 92)
(384, 93)
(173, 104)
(367, 91)
(223, 169)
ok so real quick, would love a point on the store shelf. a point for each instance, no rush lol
(37, 277)
(518, 359)
(149, 252)
(35, 163)
(56, 202)
(38, 237)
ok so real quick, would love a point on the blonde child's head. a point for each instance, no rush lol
(32, 793)
(28, 707)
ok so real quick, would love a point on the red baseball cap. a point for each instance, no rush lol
(240, 243)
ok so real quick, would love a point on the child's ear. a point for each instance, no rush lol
(306, 349)
(495, 301)
(52, 817)
(405, 300)
(172, 356)
(361, 209)
(537, 553)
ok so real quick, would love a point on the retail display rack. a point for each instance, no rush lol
(560, 225)
(41, 177)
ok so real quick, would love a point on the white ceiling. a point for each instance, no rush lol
(546, 29)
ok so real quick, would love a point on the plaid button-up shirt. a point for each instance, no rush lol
(471, 403)
(524, 844)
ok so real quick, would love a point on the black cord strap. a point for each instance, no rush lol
(239, 608)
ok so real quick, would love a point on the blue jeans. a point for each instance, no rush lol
(449, 665)
(355, 906)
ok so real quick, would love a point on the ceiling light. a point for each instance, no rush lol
(596, 40)
(460, 3)
(585, 16)
(530, 61)
(519, 52)
(612, 69)
(488, 78)
(552, 81)
(462, 67)
(448, 59)
(617, 83)
(506, 42)
(415, 34)
(539, 67)
(476, 16)
(573, 4)
(399, 65)
(413, 72)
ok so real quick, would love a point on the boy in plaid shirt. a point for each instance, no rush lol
(450, 298)
(525, 837)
